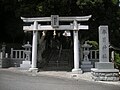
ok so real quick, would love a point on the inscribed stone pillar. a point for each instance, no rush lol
(104, 70)
(103, 44)
(104, 49)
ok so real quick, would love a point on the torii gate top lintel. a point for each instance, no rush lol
(55, 19)
(44, 19)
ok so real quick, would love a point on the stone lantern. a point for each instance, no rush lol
(86, 51)
(26, 64)
(27, 51)
(86, 64)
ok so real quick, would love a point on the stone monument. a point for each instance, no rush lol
(104, 70)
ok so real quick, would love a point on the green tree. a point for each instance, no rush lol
(104, 12)
(10, 27)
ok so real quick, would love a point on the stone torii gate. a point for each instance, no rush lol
(55, 19)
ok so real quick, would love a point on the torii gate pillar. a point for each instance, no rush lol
(76, 68)
(34, 48)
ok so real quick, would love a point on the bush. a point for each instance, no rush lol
(94, 44)
(117, 60)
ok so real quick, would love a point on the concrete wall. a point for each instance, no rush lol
(15, 62)
(7, 62)
(4, 63)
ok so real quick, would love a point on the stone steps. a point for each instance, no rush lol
(59, 61)
(58, 68)
(25, 65)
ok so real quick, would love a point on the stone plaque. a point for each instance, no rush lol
(103, 44)
(55, 21)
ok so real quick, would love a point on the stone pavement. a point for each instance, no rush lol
(62, 74)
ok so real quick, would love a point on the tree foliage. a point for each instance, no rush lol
(117, 60)
(104, 12)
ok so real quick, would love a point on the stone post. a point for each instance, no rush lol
(3, 50)
(11, 55)
(112, 56)
(76, 68)
(34, 48)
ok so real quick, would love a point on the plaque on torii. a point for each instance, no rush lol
(55, 21)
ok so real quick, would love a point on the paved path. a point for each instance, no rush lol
(14, 80)
(64, 74)
(14, 76)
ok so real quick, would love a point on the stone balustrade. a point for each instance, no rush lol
(17, 54)
(94, 55)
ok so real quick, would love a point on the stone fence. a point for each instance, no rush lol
(17, 54)
(14, 60)
(93, 56)
(4, 61)
(16, 57)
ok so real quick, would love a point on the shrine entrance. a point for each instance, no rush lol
(58, 54)
(55, 23)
